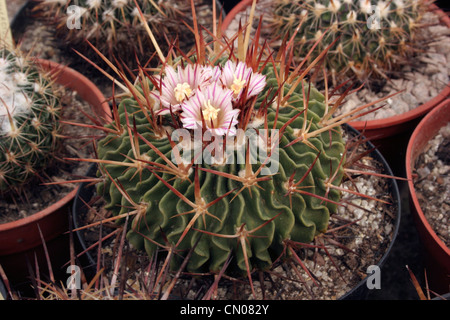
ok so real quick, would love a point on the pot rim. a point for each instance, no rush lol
(376, 154)
(392, 121)
(412, 145)
(52, 66)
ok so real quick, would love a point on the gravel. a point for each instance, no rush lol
(433, 183)
(420, 82)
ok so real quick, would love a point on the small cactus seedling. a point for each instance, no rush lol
(29, 120)
(374, 37)
(180, 165)
(113, 26)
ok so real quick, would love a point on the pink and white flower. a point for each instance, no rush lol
(213, 107)
(178, 86)
(237, 76)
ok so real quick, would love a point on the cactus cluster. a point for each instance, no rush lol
(114, 27)
(29, 120)
(368, 39)
(176, 169)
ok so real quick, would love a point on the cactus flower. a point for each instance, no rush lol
(236, 76)
(213, 107)
(178, 86)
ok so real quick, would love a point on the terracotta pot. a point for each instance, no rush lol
(389, 135)
(437, 254)
(405, 122)
(19, 239)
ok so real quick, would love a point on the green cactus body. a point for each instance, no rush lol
(298, 217)
(29, 121)
(373, 36)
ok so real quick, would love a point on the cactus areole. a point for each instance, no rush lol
(224, 157)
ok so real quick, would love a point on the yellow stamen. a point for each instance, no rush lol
(237, 85)
(182, 91)
(209, 112)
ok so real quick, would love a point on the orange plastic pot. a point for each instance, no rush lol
(437, 254)
(20, 239)
(377, 130)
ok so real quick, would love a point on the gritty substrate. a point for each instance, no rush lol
(433, 181)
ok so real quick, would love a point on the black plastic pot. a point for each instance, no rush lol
(228, 4)
(83, 196)
(359, 292)
(3, 294)
(19, 20)
(443, 297)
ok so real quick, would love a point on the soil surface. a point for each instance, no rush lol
(433, 183)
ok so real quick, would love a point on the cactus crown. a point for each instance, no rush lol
(177, 170)
(368, 39)
(29, 120)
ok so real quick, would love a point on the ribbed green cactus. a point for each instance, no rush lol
(175, 162)
(29, 120)
(113, 26)
(159, 211)
(374, 37)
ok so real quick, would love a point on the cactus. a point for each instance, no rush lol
(373, 37)
(29, 120)
(301, 216)
(113, 26)
(206, 203)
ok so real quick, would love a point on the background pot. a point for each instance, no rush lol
(361, 291)
(383, 129)
(20, 240)
(389, 135)
(437, 254)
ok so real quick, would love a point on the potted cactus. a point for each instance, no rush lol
(113, 27)
(226, 159)
(30, 141)
(436, 247)
(378, 57)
